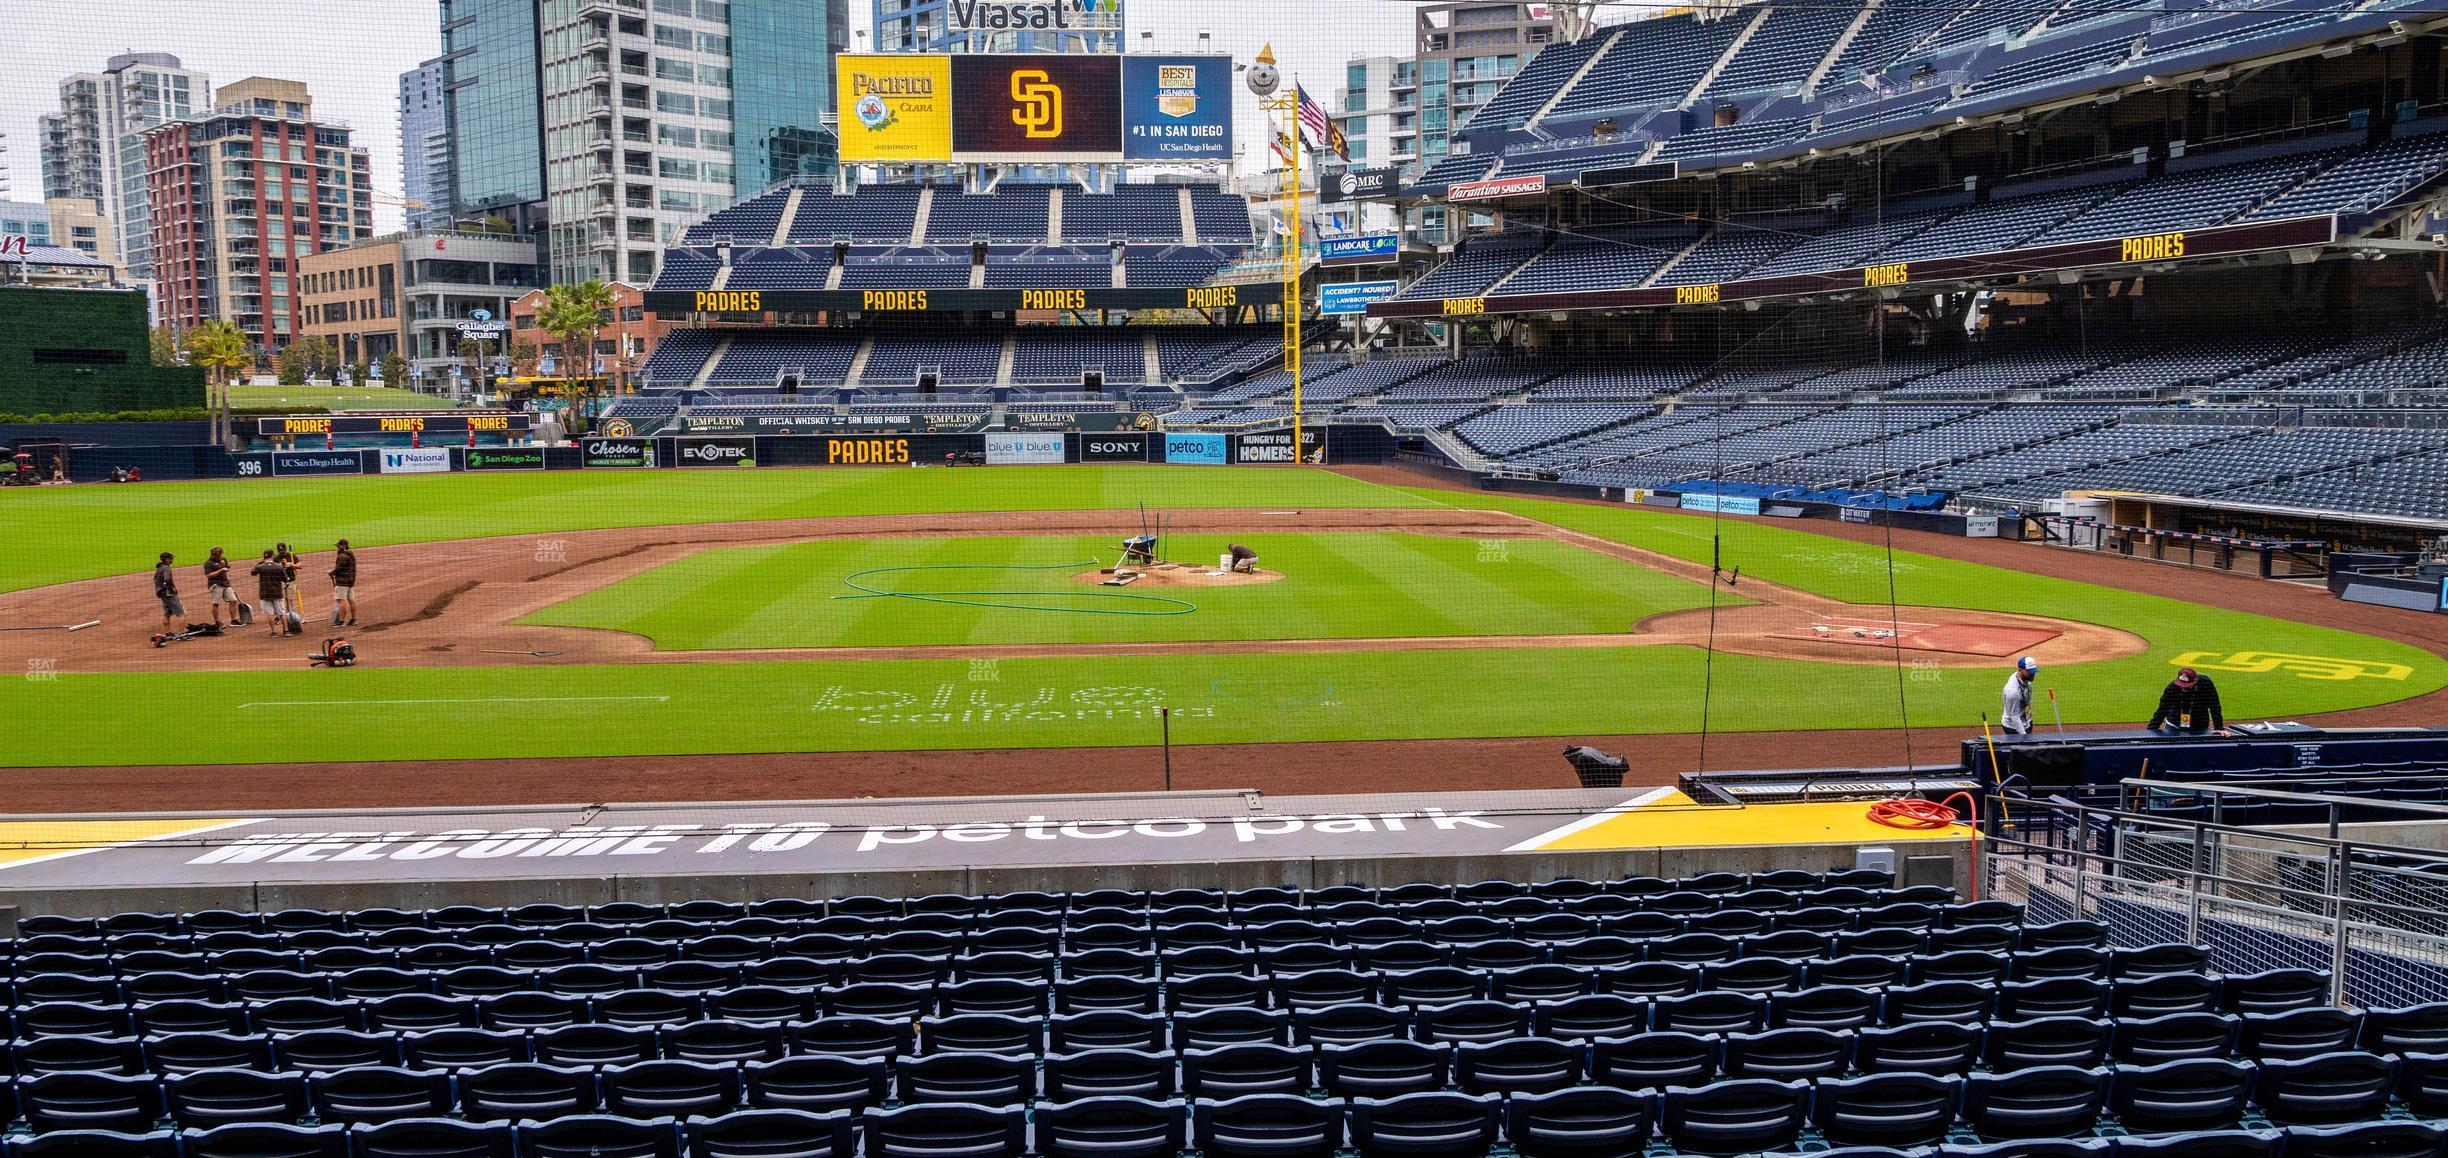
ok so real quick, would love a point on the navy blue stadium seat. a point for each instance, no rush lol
(432, 1139)
(596, 1045)
(1383, 1068)
(74, 1054)
(946, 1128)
(2195, 1094)
(599, 1136)
(1111, 1127)
(2048, 1041)
(96, 1144)
(671, 1090)
(335, 1049)
(1105, 1029)
(1244, 1069)
(91, 1101)
(1583, 1122)
(520, 1091)
(1350, 1024)
(2175, 1036)
(852, 1037)
(454, 1049)
(1788, 1054)
(1266, 1126)
(207, 1098)
(2207, 1144)
(1519, 1065)
(2368, 1140)
(2408, 1029)
(976, 1078)
(266, 1140)
(1735, 1117)
(2326, 1089)
(773, 1134)
(2299, 1033)
(379, 1094)
(1894, 1109)
(1109, 1073)
(1231, 1025)
(1425, 1125)
(2035, 1102)
(818, 1083)
(1927, 1047)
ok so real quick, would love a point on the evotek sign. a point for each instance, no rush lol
(966, 16)
(718, 452)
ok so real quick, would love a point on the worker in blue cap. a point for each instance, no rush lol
(2014, 710)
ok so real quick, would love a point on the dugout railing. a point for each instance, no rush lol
(2364, 901)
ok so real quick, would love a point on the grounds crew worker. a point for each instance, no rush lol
(2190, 703)
(344, 586)
(217, 584)
(2014, 708)
(289, 565)
(271, 590)
(165, 588)
(1244, 560)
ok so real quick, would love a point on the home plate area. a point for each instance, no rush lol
(1959, 638)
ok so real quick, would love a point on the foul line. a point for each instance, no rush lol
(1536, 843)
(486, 700)
(64, 854)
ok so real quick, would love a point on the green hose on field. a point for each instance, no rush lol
(995, 599)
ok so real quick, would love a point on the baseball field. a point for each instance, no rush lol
(601, 614)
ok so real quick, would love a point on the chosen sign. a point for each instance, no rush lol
(616, 452)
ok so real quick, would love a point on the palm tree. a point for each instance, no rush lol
(221, 348)
(574, 314)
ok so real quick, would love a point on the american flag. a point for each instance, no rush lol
(1321, 128)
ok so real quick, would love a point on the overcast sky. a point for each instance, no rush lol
(351, 52)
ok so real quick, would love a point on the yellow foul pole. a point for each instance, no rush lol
(1287, 125)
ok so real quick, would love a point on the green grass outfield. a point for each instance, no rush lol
(337, 398)
(883, 704)
(1342, 586)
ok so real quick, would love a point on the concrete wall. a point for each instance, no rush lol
(1933, 863)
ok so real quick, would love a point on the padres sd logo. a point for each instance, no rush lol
(2310, 667)
(1037, 104)
(618, 428)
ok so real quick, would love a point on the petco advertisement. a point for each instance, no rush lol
(1113, 448)
(1206, 449)
(717, 452)
(1724, 504)
(420, 460)
(617, 452)
(1015, 449)
(317, 462)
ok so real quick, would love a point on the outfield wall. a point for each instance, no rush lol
(1342, 445)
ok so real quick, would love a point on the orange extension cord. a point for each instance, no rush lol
(1916, 813)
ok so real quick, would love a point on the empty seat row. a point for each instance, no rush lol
(1730, 1116)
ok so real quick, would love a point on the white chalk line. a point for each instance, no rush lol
(485, 700)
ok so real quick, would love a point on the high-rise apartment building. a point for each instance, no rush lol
(239, 195)
(424, 146)
(93, 147)
(1465, 53)
(612, 125)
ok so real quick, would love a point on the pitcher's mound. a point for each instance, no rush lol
(1985, 639)
(1179, 575)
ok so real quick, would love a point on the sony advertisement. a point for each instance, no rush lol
(1116, 447)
